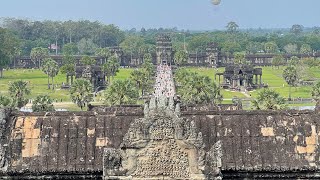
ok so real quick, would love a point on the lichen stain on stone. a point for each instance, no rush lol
(267, 131)
(210, 116)
(90, 132)
(102, 142)
(311, 143)
(31, 138)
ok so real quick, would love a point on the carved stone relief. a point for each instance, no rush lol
(162, 145)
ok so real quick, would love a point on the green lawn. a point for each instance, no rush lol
(38, 84)
(271, 76)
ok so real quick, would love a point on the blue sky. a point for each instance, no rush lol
(184, 14)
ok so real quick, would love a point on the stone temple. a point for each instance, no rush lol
(160, 140)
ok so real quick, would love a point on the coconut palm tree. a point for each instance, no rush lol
(18, 90)
(5, 101)
(180, 58)
(111, 67)
(51, 68)
(42, 103)
(103, 52)
(141, 78)
(81, 92)
(290, 75)
(198, 89)
(38, 54)
(269, 99)
(88, 61)
(121, 92)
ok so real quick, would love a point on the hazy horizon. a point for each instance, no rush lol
(199, 15)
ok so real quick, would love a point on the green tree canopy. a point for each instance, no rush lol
(87, 60)
(18, 90)
(42, 103)
(121, 92)
(50, 68)
(38, 54)
(81, 92)
(269, 99)
(9, 45)
(181, 58)
(290, 75)
(194, 88)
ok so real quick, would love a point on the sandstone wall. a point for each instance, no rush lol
(252, 141)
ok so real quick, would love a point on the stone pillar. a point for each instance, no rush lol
(260, 80)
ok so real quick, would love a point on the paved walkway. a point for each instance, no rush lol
(164, 85)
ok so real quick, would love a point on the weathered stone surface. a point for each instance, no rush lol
(263, 143)
(162, 146)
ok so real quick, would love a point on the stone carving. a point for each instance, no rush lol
(162, 146)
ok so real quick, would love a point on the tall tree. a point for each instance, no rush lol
(277, 61)
(269, 99)
(121, 92)
(88, 61)
(296, 29)
(87, 46)
(305, 49)
(198, 89)
(42, 103)
(103, 52)
(18, 90)
(316, 91)
(38, 54)
(5, 102)
(270, 47)
(180, 58)
(140, 77)
(81, 92)
(69, 62)
(291, 48)
(290, 75)
(232, 27)
(239, 58)
(51, 68)
(8, 48)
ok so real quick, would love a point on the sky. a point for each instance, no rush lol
(183, 14)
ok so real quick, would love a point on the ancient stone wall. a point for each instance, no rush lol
(252, 141)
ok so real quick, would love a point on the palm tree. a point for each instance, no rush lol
(103, 52)
(18, 90)
(290, 75)
(140, 77)
(69, 70)
(37, 54)
(180, 58)
(51, 68)
(5, 101)
(42, 103)
(269, 99)
(80, 92)
(88, 61)
(111, 68)
(121, 92)
(198, 89)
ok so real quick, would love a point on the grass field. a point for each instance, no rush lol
(38, 83)
(272, 77)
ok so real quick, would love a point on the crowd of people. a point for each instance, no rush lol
(164, 85)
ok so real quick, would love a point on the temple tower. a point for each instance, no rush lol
(212, 52)
(164, 50)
